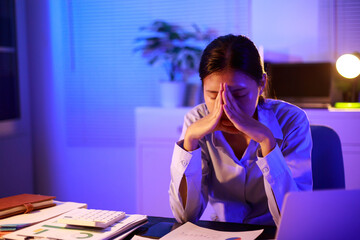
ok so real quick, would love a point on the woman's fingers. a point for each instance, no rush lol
(229, 102)
(228, 113)
(227, 96)
(219, 103)
(224, 94)
(232, 111)
(208, 124)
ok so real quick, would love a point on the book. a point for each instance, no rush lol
(24, 203)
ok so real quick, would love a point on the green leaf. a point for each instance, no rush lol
(177, 48)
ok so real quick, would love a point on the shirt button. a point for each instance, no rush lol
(265, 170)
(184, 163)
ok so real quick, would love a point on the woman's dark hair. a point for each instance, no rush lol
(231, 52)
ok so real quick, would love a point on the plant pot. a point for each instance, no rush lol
(172, 94)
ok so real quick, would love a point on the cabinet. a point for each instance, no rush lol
(157, 130)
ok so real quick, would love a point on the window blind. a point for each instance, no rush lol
(104, 80)
(347, 27)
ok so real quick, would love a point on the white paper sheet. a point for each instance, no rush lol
(42, 214)
(52, 229)
(136, 237)
(190, 231)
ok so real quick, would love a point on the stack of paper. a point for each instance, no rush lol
(52, 229)
(23, 220)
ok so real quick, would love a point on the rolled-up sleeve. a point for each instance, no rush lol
(190, 165)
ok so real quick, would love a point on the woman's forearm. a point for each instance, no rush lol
(183, 190)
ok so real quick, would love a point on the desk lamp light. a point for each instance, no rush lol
(348, 66)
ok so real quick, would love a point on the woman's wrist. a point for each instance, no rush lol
(267, 144)
(190, 143)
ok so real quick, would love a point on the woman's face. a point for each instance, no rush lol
(244, 89)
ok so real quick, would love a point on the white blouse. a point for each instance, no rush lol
(250, 189)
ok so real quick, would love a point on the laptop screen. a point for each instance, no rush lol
(325, 214)
(301, 82)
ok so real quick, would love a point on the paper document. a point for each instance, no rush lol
(42, 214)
(52, 229)
(190, 231)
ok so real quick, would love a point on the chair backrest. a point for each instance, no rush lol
(326, 160)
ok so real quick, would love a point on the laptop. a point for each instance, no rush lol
(307, 85)
(324, 214)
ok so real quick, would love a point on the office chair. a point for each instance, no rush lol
(326, 160)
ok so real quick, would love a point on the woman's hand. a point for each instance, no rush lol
(206, 125)
(247, 124)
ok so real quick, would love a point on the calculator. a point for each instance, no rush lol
(91, 217)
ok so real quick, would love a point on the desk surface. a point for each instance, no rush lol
(159, 226)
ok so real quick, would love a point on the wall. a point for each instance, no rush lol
(294, 31)
(100, 176)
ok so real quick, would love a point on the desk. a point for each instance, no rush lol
(159, 226)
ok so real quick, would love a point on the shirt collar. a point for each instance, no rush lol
(267, 117)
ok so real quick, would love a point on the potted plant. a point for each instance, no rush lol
(178, 51)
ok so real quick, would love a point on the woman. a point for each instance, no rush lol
(239, 151)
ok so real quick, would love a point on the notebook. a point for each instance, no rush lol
(24, 203)
(325, 214)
